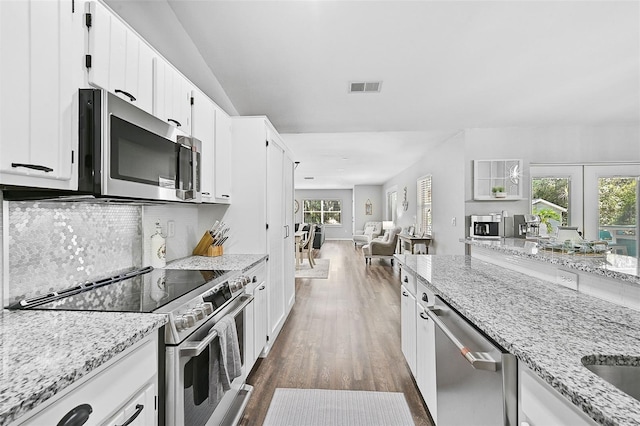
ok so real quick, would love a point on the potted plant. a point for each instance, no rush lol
(498, 192)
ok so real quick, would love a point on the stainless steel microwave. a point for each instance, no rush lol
(485, 227)
(126, 152)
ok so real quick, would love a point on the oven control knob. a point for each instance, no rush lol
(190, 319)
(198, 311)
(181, 323)
(208, 308)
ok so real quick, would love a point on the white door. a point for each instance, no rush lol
(222, 147)
(203, 129)
(408, 327)
(289, 241)
(426, 359)
(611, 205)
(275, 236)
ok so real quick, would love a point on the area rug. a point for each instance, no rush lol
(320, 270)
(321, 407)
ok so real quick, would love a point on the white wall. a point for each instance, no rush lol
(445, 162)
(335, 232)
(543, 145)
(362, 193)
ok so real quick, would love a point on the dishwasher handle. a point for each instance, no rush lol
(478, 360)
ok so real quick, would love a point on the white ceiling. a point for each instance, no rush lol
(445, 66)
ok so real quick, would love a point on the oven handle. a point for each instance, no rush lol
(192, 349)
(478, 360)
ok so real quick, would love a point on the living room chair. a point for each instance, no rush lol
(383, 248)
(364, 236)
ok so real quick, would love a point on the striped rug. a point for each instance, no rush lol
(320, 407)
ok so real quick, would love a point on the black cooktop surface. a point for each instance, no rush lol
(146, 292)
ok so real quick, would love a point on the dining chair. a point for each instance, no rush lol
(307, 245)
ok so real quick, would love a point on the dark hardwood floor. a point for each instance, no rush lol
(342, 333)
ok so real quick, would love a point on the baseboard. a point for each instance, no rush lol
(339, 239)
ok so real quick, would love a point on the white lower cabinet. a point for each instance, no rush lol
(258, 288)
(115, 393)
(541, 405)
(426, 359)
(408, 327)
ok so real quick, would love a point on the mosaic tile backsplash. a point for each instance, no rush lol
(54, 245)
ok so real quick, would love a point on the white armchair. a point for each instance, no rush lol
(382, 248)
(365, 236)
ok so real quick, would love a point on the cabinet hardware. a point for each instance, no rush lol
(267, 143)
(72, 157)
(267, 226)
(87, 20)
(206, 194)
(192, 100)
(177, 123)
(225, 195)
(405, 294)
(139, 408)
(127, 94)
(406, 279)
(33, 166)
(77, 416)
(423, 316)
(87, 61)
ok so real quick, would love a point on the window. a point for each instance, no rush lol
(424, 205)
(550, 201)
(323, 211)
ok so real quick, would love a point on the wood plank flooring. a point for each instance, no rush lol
(342, 333)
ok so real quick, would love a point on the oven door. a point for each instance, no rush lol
(145, 157)
(189, 401)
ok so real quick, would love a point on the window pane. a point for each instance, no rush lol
(332, 205)
(617, 213)
(332, 218)
(312, 205)
(312, 217)
(550, 201)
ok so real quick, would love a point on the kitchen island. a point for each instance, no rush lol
(45, 352)
(227, 262)
(549, 328)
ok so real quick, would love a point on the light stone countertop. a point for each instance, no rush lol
(227, 262)
(546, 326)
(43, 352)
(615, 266)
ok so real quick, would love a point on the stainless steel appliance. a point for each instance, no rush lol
(476, 380)
(126, 152)
(193, 302)
(485, 227)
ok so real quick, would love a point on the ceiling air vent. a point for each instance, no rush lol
(365, 87)
(308, 177)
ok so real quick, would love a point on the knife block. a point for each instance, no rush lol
(204, 247)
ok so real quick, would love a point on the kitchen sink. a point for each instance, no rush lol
(624, 377)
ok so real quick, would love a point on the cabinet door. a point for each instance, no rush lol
(275, 236)
(223, 157)
(172, 101)
(289, 242)
(260, 318)
(121, 62)
(408, 327)
(39, 79)
(139, 412)
(426, 359)
(203, 129)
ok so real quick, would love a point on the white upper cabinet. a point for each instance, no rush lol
(172, 95)
(203, 128)
(41, 45)
(223, 157)
(120, 61)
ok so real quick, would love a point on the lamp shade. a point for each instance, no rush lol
(387, 224)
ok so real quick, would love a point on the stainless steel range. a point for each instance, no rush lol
(194, 302)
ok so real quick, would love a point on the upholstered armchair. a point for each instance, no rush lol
(365, 236)
(382, 248)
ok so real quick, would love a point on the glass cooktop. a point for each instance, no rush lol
(146, 292)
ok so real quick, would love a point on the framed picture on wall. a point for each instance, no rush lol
(411, 231)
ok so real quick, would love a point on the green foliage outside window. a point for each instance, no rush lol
(322, 211)
(617, 201)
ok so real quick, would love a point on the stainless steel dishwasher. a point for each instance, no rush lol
(476, 380)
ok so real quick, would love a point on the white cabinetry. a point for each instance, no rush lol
(120, 61)
(541, 405)
(258, 215)
(125, 386)
(258, 289)
(172, 95)
(505, 174)
(203, 128)
(426, 350)
(408, 327)
(41, 45)
(222, 157)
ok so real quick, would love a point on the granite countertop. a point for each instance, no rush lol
(548, 327)
(43, 352)
(616, 266)
(229, 262)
